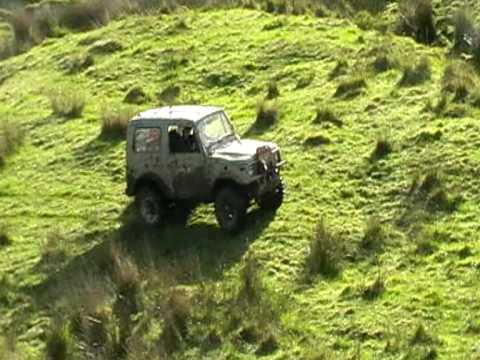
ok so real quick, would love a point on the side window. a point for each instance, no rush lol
(182, 139)
(147, 140)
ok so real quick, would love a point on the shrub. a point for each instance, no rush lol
(272, 92)
(115, 122)
(85, 15)
(350, 89)
(417, 20)
(418, 74)
(325, 252)
(67, 102)
(57, 343)
(374, 235)
(267, 115)
(383, 147)
(11, 136)
(326, 115)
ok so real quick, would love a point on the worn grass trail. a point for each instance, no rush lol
(67, 182)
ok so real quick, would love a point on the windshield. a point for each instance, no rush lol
(214, 128)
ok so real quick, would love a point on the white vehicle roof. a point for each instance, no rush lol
(180, 112)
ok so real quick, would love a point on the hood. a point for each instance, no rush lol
(241, 150)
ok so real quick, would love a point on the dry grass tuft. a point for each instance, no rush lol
(325, 252)
(267, 115)
(67, 102)
(115, 122)
(417, 74)
(11, 136)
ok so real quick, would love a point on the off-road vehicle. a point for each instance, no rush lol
(192, 153)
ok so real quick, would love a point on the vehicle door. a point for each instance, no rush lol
(187, 162)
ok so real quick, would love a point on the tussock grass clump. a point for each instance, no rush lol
(374, 290)
(374, 235)
(78, 63)
(382, 149)
(267, 115)
(5, 239)
(115, 122)
(459, 79)
(54, 247)
(272, 91)
(67, 102)
(136, 95)
(340, 69)
(11, 136)
(105, 47)
(57, 343)
(176, 315)
(304, 81)
(350, 89)
(326, 115)
(421, 336)
(316, 140)
(250, 281)
(417, 74)
(325, 252)
(417, 20)
(431, 191)
(169, 94)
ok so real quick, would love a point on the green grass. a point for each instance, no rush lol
(67, 176)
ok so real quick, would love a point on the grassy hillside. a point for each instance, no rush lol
(373, 149)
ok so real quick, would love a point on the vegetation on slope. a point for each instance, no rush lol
(373, 254)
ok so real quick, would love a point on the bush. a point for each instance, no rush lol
(11, 136)
(67, 102)
(85, 15)
(325, 252)
(418, 74)
(417, 20)
(115, 122)
(267, 115)
(316, 140)
(136, 95)
(169, 94)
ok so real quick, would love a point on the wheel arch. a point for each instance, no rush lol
(152, 180)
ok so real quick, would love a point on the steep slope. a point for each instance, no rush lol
(66, 183)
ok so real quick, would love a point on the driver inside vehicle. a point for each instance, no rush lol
(188, 140)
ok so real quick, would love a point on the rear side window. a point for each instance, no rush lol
(147, 140)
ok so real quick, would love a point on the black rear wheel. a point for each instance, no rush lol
(150, 206)
(231, 209)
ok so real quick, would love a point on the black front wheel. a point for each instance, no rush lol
(150, 206)
(272, 200)
(231, 209)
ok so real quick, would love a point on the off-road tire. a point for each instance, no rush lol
(231, 209)
(150, 206)
(273, 199)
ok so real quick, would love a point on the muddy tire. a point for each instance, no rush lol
(231, 209)
(150, 206)
(272, 200)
